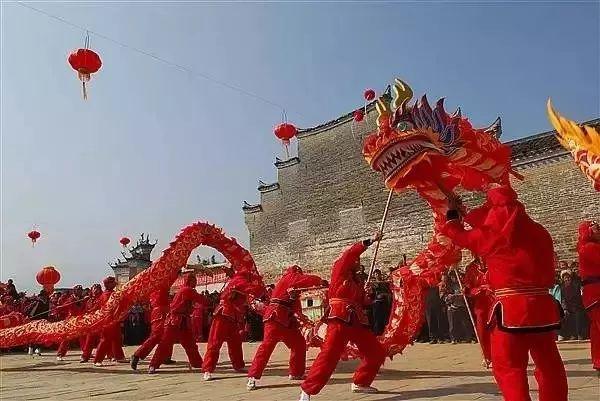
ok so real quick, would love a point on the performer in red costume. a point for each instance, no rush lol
(110, 338)
(478, 291)
(159, 304)
(588, 248)
(75, 306)
(281, 325)
(346, 321)
(228, 321)
(178, 325)
(91, 339)
(197, 321)
(519, 255)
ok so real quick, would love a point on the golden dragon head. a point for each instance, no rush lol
(417, 143)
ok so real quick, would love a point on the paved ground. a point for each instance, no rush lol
(425, 372)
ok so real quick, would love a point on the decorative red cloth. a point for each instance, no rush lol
(589, 265)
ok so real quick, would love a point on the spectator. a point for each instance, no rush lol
(381, 302)
(434, 314)
(574, 324)
(457, 312)
(11, 289)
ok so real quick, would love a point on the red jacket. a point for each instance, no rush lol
(282, 308)
(181, 307)
(76, 306)
(234, 297)
(159, 306)
(346, 291)
(589, 265)
(519, 254)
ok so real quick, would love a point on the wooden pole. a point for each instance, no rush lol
(381, 226)
(462, 290)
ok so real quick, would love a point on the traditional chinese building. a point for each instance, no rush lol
(327, 197)
(137, 261)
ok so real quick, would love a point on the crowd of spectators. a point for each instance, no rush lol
(446, 314)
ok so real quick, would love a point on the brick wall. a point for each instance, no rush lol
(329, 198)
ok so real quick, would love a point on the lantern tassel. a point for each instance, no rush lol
(84, 90)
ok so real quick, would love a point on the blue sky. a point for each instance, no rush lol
(155, 148)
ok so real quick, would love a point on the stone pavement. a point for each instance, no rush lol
(424, 372)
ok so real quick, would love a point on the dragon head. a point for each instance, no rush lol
(418, 143)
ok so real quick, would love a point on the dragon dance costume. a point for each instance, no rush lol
(228, 320)
(111, 340)
(478, 291)
(588, 248)
(75, 306)
(346, 321)
(178, 326)
(519, 255)
(159, 304)
(281, 324)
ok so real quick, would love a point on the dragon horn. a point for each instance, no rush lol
(402, 93)
(383, 109)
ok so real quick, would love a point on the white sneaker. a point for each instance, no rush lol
(38, 352)
(98, 364)
(207, 376)
(304, 397)
(251, 385)
(292, 377)
(355, 388)
(60, 359)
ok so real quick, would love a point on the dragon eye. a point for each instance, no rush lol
(404, 126)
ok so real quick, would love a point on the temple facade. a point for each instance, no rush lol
(328, 197)
(133, 264)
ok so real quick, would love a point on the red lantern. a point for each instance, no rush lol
(369, 95)
(47, 277)
(86, 62)
(34, 236)
(124, 241)
(359, 116)
(285, 132)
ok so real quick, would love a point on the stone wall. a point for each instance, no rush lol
(328, 198)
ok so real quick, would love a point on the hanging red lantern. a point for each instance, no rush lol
(47, 278)
(86, 62)
(34, 236)
(359, 115)
(285, 132)
(124, 241)
(369, 95)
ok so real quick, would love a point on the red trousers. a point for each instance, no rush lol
(291, 337)
(594, 315)
(197, 327)
(337, 337)
(510, 355)
(110, 342)
(64, 346)
(223, 330)
(156, 333)
(90, 342)
(165, 348)
(481, 311)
